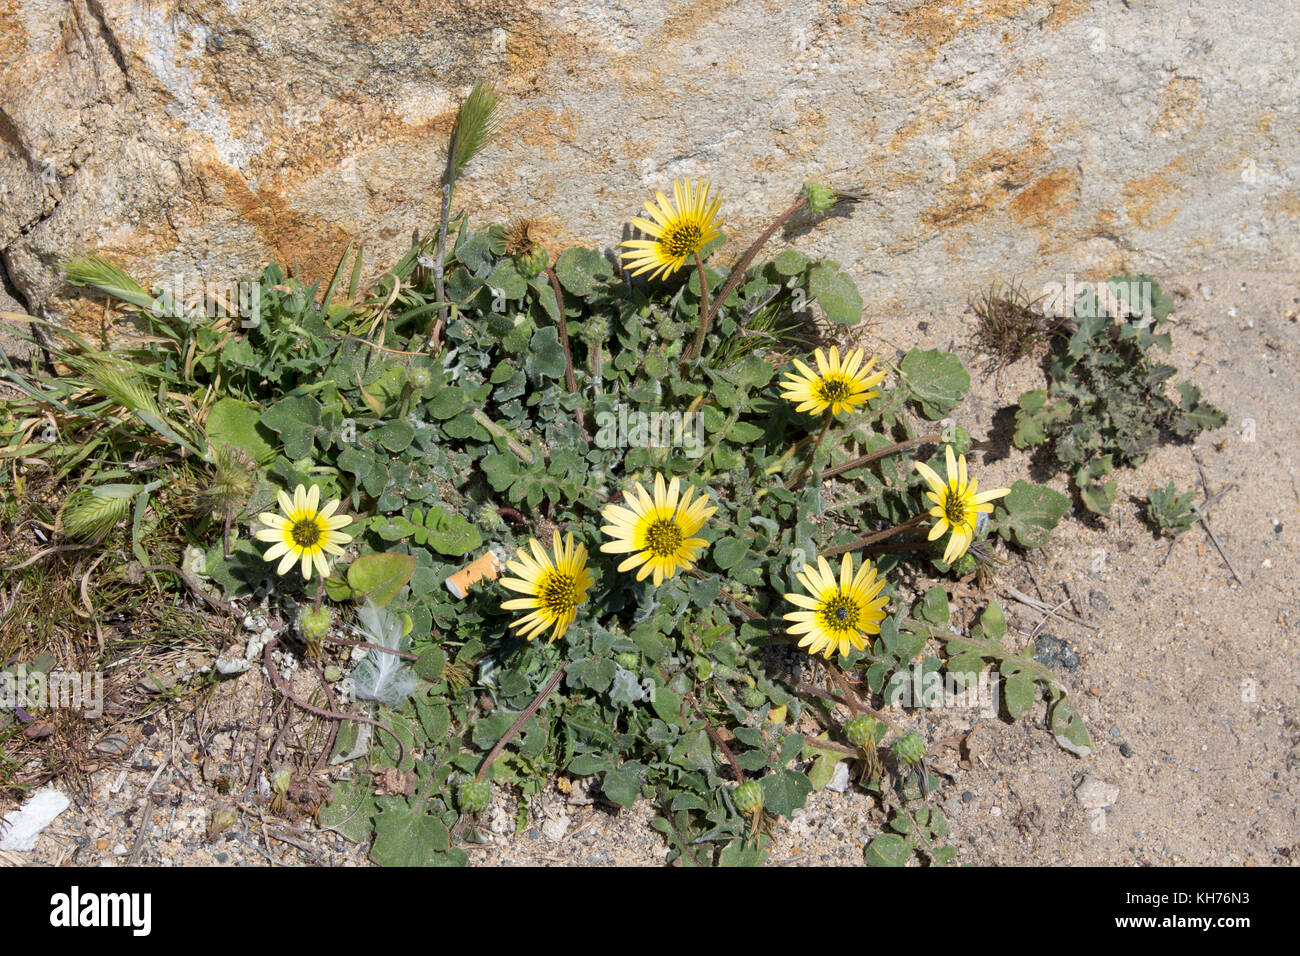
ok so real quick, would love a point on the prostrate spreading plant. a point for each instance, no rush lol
(1106, 403)
(488, 400)
(1170, 511)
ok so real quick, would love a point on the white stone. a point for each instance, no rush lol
(1094, 793)
(22, 826)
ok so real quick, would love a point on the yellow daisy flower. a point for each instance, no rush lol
(555, 589)
(957, 505)
(305, 531)
(658, 530)
(839, 386)
(839, 614)
(680, 229)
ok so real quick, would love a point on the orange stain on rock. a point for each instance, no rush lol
(1180, 104)
(687, 19)
(984, 184)
(292, 235)
(1046, 198)
(941, 21)
(13, 38)
(1148, 199)
(1284, 204)
(544, 129)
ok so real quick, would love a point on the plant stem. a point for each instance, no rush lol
(888, 450)
(522, 453)
(740, 605)
(849, 699)
(435, 338)
(570, 380)
(405, 655)
(522, 719)
(827, 418)
(269, 662)
(704, 289)
(718, 741)
(738, 273)
(910, 523)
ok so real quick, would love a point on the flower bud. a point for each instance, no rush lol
(314, 623)
(594, 329)
(864, 731)
(748, 797)
(820, 198)
(909, 748)
(280, 780)
(534, 262)
(419, 377)
(473, 796)
(752, 697)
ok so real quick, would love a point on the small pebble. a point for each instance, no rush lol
(1051, 651)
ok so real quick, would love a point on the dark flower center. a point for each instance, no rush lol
(839, 614)
(558, 593)
(682, 239)
(663, 538)
(306, 533)
(833, 388)
(954, 507)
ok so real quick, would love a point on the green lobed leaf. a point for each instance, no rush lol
(1029, 513)
(936, 379)
(888, 849)
(581, 270)
(785, 791)
(239, 424)
(837, 293)
(407, 837)
(380, 577)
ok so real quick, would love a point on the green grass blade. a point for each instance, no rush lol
(356, 274)
(98, 272)
(334, 282)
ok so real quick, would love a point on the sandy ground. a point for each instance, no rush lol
(1187, 678)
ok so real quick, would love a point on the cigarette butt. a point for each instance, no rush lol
(488, 567)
